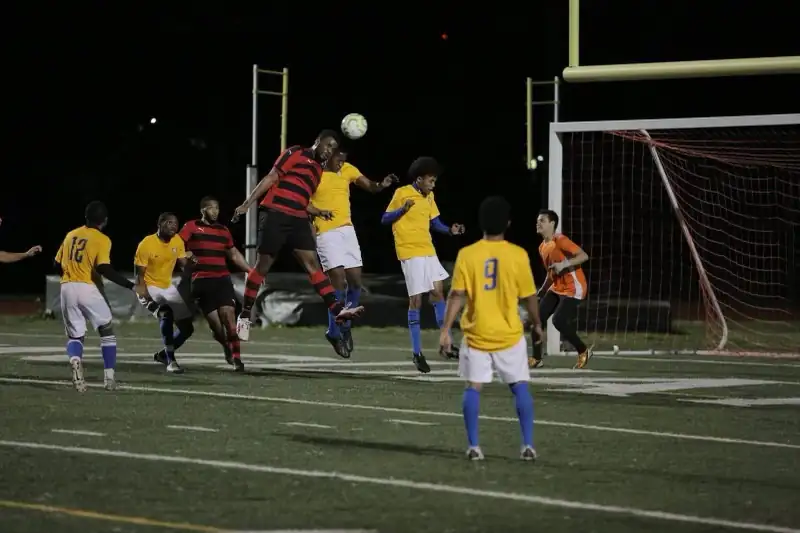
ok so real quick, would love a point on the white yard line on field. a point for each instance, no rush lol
(316, 403)
(406, 484)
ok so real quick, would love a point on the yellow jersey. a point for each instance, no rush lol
(495, 275)
(81, 251)
(333, 194)
(158, 258)
(412, 231)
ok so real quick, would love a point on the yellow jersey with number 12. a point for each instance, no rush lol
(158, 258)
(333, 194)
(495, 275)
(412, 231)
(82, 250)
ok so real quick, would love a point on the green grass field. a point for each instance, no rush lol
(305, 440)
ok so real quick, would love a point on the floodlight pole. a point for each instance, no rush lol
(251, 219)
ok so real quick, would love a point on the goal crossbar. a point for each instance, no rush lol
(555, 201)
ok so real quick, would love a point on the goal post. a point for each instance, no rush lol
(692, 227)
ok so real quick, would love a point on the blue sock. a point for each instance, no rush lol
(438, 308)
(333, 327)
(75, 348)
(108, 347)
(413, 329)
(471, 406)
(353, 295)
(524, 402)
(167, 336)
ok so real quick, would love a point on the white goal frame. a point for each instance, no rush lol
(555, 191)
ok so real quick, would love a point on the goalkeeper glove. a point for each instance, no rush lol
(150, 305)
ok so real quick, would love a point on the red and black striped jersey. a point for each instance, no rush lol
(299, 174)
(210, 244)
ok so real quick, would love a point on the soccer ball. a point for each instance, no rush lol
(354, 126)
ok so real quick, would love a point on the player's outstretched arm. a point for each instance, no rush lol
(260, 190)
(236, 257)
(368, 185)
(440, 227)
(108, 272)
(393, 215)
(13, 257)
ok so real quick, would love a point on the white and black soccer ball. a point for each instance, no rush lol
(354, 126)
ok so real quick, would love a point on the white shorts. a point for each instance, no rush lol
(81, 302)
(339, 248)
(421, 273)
(510, 364)
(171, 297)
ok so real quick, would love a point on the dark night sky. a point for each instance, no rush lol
(82, 81)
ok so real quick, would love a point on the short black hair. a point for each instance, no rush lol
(205, 200)
(494, 215)
(164, 216)
(96, 212)
(551, 215)
(424, 166)
(324, 134)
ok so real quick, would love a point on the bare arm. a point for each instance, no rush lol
(455, 301)
(140, 270)
(238, 259)
(375, 186)
(13, 257)
(261, 189)
(532, 305)
(578, 259)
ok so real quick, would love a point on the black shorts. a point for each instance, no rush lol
(213, 293)
(276, 229)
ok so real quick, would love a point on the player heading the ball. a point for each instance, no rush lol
(490, 278)
(413, 214)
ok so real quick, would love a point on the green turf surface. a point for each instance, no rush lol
(306, 440)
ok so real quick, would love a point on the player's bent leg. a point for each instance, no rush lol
(415, 332)
(219, 334)
(547, 306)
(564, 321)
(334, 333)
(166, 320)
(227, 315)
(351, 298)
(255, 278)
(108, 349)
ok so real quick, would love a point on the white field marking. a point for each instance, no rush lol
(295, 401)
(306, 425)
(194, 428)
(300, 531)
(411, 422)
(724, 360)
(18, 350)
(408, 484)
(79, 432)
(746, 402)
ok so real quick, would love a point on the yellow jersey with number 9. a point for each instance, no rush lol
(333, 194)
(495, 275)
(81, 251)
(412, 231)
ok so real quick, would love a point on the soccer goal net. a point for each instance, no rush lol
(692, 227)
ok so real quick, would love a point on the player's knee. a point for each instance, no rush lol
(415, 302)
(106, 330)
(476, 386)
(186, 327)
(559, 322)
(436, 295)
(165, 311)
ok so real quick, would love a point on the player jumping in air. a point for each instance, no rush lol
(288, 187)
(13, 257)
(337, 243)
(155, 260)
(84, 256)
(490, 278)
(212, 244)
(564, 288)
(413, 214)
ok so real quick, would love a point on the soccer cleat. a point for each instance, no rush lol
(421, 363)
(339, 346)
(243, 328)
(238, 366)
(452, 354)
(347, 337)
(349, 313)
(528, 453)
(109, 379)
(535, 363)
(474, 453)
(174, 368)
(583, 358)
(77, 374)
(160, 357)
